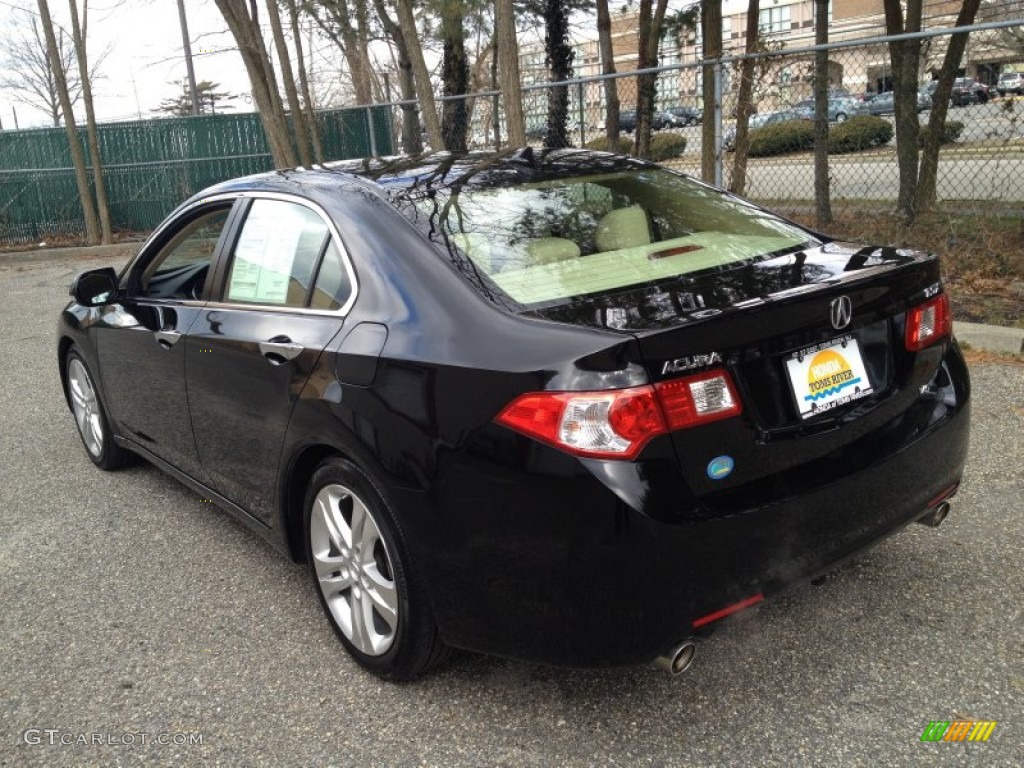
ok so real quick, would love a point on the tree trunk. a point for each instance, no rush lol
(301, 132)
(744, 103)
(92, 229)
(646, 84)
(245, 29)
(611, 91)
(424, 89)
(928, 172)
(79, 36)
(411, 142)
(905, 55)
(454, 75)
(307, 94)
(559, 61)
(822, 193)
(508, 71)
(711, 30)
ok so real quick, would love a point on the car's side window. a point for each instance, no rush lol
(276, 254)
(333, 286)
(179, 270)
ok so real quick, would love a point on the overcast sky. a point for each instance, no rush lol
(145, 61)
(146, 64)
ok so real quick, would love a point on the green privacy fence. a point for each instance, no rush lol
(152, 165)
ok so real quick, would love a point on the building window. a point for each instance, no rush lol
(776, 19)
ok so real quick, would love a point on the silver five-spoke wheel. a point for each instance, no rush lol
(86, 407)
(354, 569)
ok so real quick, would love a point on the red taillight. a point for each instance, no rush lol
(698, 399)
(928, 322)
(617, 423)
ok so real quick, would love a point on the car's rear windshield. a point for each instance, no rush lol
(545, 242)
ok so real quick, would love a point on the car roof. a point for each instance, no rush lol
(429, 172)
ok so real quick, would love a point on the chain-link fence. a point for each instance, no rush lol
(981, 162)
(152, 165)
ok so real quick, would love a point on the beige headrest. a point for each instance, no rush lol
(622, 228)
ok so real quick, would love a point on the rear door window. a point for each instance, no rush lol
(276, 255)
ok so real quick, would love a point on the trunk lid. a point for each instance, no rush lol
(770, 324)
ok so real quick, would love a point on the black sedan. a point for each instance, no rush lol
(560, 406)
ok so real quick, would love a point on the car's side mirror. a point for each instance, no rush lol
(95, 287)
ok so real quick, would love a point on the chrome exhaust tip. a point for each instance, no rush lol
(677, 660)
(933, 518)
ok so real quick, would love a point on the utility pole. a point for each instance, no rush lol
(187, 46)
(15, 111)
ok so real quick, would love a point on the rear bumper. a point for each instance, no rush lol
(538, 559)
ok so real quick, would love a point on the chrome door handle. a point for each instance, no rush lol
(167, 339)
(280, 351)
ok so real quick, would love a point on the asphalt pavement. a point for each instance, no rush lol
(138, 621)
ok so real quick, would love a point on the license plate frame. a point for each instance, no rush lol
(827, 375)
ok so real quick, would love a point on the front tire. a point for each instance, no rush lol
(91, 419)
(364, 577)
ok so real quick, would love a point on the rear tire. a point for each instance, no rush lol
(364, 578)
(91, 419)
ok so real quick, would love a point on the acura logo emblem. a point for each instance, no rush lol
(841, 310)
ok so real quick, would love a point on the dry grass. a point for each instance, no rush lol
(981, 356)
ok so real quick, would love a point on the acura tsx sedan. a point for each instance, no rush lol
(561, 406)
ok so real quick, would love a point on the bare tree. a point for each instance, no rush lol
(611, 91)
(650, 26)
(905, 56)
(411, 141)
(288, 79)
(92, 229)
(78, 34)
(454, 75)
(559, 60)
(822, 200)
(28, 72)
(307, 95)
(744, 102)
(348, 26)
(928, 172)
(243, 23)
(711, 31)
(508, 71)
(424, 88)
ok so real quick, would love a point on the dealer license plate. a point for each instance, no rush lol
(827, 376)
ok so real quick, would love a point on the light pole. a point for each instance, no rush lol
(187, 46)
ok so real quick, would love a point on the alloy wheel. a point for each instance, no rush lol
(86, 407)
(354, 569)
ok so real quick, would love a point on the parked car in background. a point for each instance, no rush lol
(561, 406)
(682, 116)
(881, 104)
(760, 121)
(659, 120)
(839, 109)
(1010, 82)
(966, 90)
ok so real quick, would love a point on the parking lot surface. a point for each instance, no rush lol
(136, 619)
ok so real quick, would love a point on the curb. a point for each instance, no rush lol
(991, 338)
(43, 255)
